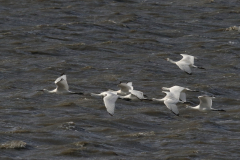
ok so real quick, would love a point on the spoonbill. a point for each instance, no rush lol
(109, 99)
(205, 104)
(170, 101)
(62, 86)
(185, 63)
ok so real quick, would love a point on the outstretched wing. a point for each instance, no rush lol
(176, 91)
(124, 87)
(130, 85)
(109, 101)
(171, 105)
(183, 96)
(138, 94)
(60, 78)
(61, 83)
(205, 102)
(187, 58)
(184, 66)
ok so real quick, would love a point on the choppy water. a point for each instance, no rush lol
(99, 43)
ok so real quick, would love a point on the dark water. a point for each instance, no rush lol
(100, 43)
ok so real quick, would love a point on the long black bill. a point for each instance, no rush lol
(146, 99)
(219, 110)
(79, 93)
(194, 91)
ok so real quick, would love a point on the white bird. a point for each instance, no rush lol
(138, 94)
(205, 104)
(129, 97)
(134, 96)
(109, 99)
(170, 101)
(185, 63)
(127, 92)
(62, 86)
(124, 88)
(179, 92)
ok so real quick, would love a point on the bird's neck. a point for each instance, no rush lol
(197, 107)
(47, 91)
(171, 61)
(165, 88)
(154, 99)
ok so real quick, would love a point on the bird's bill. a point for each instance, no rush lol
(147, 99)
(195, 91)
(40, 90)
(79, 93)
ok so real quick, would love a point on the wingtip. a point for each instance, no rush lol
(110, 114)
(62, 74)
(177, 114)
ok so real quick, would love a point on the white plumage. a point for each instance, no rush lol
(205, 104)
(109, 99)
(61, 86)
(128, 93)
(170, 101)
(185, 63)
(179, 92)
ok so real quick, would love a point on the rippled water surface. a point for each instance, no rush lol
(99, 43)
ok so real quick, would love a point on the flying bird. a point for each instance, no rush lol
(127, 92)
(205, 104)
(124, 88)
(179, 92)
(170, 101)
(62, 86)
(185, 63)
(109, 99)
(134, 96)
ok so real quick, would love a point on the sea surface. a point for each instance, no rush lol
(99, 43)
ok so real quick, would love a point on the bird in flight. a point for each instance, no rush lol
(62, 86)
(185, 63)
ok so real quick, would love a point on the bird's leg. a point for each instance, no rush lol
(188, 102)
(197, 67)
(79, 93)
(218, 110)
(40, 90)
